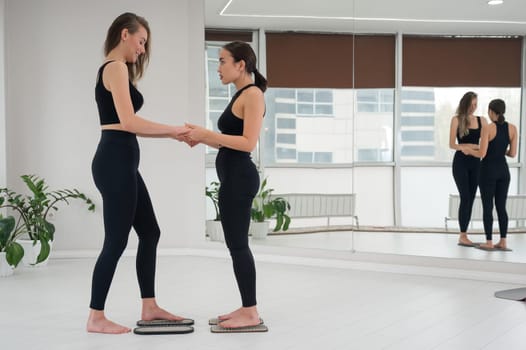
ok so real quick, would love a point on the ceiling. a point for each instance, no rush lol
(451, 17)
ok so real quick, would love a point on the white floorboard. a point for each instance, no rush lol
(305, 307)
(438, 245)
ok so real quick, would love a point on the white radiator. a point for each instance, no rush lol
(311, 205)
(515, 206)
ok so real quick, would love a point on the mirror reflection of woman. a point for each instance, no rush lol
(498, 140)
(464, 136)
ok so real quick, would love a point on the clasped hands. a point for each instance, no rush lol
(189, 134)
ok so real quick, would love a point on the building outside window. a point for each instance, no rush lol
(305, 126)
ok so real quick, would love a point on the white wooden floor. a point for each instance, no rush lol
(304, 307)
(437, 245)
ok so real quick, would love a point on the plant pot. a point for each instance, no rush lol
(259, 230)
(214, 230)
(31, 253)
(5, 268)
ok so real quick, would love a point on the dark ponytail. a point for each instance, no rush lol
(242, 51)
(499, 107)
(260, 80)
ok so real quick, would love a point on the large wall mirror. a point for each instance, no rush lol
(360, 99)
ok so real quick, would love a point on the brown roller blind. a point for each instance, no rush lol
(432, 61)
(227, 36)
(326, 60)
(374, 62)
(309, 60)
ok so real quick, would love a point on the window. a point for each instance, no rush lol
(374, 125)
(375, 100)
(316, 103)
(307, 126)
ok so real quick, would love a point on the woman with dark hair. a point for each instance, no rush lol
(240, 125)
(464, 135)
(126, 202)
(499, 139)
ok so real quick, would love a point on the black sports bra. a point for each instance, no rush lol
(473, 136)
(105, 105)
(228, 123)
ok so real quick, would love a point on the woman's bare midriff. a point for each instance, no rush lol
(112, 127)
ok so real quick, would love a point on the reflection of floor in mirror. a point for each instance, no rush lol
(439, 245)
(304, 307)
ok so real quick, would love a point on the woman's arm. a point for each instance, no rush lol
(252, 110)
(512, 150)
(453, 129)
(115, 77)
(483, 146)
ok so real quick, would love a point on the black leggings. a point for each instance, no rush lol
(239, 184)
(494, 185)
(126, 204)
(466, 174)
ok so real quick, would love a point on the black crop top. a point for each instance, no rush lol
(107, 112)
(473, 136)
(228, 123)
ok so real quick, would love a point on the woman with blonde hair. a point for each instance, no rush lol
(464, 136)
(125, 198)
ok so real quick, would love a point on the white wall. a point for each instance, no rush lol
(2, 98)
(373, 188)
(425, 195)
(53, 50)
(374, 195)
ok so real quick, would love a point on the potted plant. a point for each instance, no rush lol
(214, 230)
(11, 252)
(266, 207)
(34, 211)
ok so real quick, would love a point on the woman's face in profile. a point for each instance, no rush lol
(492, 115)
(228, 69)
(136, 44)
(473, 106)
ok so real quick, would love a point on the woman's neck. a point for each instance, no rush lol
(115, 55)
(242, 82)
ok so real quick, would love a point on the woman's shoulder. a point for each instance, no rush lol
(115, 65)
(115, 70)
(254, 89)
(253, 93)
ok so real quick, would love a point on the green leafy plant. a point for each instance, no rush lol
(212, 192)
(266, 207)
(34, 210)
(9, 232)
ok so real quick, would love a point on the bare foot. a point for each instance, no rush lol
(98, 323)
(151, 311)
(486, 245)
(502, 244)
(243, 317)
(464, 239)
(229, 315)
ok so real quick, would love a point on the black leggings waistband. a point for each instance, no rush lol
(119, 136)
